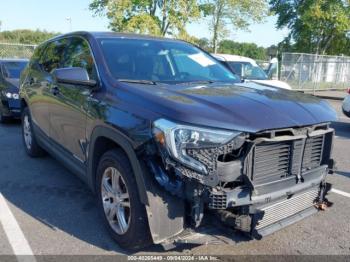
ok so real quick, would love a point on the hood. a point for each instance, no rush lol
(12, 84)
(245, 106)
(273, 83)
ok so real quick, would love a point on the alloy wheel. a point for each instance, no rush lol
(27, 132)
(116, 201)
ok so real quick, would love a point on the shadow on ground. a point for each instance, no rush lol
(342, 173)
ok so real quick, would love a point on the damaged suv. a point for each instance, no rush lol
(176, 148)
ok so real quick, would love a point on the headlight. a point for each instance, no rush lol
(15, 96)
(177, 138)
(10, 95)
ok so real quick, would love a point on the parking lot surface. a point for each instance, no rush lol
(55, 214)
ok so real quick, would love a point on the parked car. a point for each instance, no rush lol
(346, 104)
(171, 141)
(249, 70)
(10, 70)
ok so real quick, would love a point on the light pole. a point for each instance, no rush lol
(69, 20)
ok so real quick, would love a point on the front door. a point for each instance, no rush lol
(39, 81)
(68, 113)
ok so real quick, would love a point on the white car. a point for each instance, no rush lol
(248, 70)
(346, 105)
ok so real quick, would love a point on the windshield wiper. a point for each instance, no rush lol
(197, 82)
(135, 81)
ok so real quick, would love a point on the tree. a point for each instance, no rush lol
(316, 26)
(244, 49)
(155, 17)
(226, 15)
(26, 36)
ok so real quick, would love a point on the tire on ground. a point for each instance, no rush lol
(34, 150)
(138, 234)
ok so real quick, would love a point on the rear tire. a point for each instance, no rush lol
(123, 213)
(29, 141)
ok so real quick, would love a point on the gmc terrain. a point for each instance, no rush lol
(176, 147)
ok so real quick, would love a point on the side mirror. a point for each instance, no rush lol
(74, 76)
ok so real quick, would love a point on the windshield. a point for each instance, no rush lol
(248, 71)
(13, 69)
(161, 61)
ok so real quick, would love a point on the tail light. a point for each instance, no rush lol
(348, 90)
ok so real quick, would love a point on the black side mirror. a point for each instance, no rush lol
(74, 76)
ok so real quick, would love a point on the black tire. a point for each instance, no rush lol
(3, 119)
(138, 234)
(34, 149)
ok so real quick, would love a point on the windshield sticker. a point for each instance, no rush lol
(202, 59)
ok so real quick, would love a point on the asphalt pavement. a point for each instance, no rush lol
(53, 213)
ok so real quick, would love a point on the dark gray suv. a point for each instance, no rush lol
(171, 142)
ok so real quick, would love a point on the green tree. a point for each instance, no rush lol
(26, 36)
(316, 26)
(244, 49)
(155, 17)
(227, 15)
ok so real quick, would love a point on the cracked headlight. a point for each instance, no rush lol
(176, 139)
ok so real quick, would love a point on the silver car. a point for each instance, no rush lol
(346, 105)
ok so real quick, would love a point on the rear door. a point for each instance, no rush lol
(69, 111)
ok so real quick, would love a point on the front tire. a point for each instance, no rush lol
(30, 143)
(3, 119)
(119, 202)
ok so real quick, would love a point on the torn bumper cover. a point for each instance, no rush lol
(266, 220)
(257, 185)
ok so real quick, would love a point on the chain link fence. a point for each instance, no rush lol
(12, 50)
(310, 72)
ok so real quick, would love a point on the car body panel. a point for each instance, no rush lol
(68, 119)
(245, 107)
(346, 106)
(273, 83)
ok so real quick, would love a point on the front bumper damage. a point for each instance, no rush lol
(185, 207)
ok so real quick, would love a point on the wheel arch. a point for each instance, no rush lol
(24, 104)
(104, 139)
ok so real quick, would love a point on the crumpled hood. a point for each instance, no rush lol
(246, 107)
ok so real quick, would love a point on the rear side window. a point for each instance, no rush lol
(53, 55)
(78, 54)
(36, 56)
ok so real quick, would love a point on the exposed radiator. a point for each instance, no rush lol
(286, 208)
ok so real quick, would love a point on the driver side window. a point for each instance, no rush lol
(78, 54)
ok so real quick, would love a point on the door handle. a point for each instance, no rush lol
(55, 90)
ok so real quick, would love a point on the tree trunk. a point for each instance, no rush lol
(165, 25)
(216, 22)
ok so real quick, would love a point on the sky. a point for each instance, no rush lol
(56, 15)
